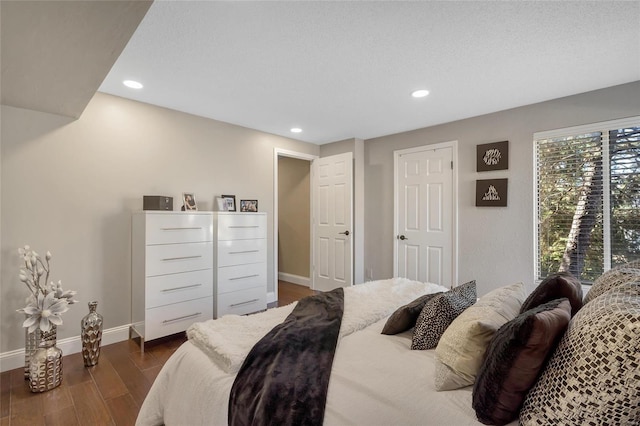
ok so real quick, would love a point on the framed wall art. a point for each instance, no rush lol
(230, 201)
(492, 156)
(249, 206)
(189, 201)
(491, 193)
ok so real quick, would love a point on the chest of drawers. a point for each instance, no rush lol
(240, 262)
(171, 271)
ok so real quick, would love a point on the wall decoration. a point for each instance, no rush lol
(491, 193)
(189, 201)
(492, 156)
(230, 201)
(248, 205)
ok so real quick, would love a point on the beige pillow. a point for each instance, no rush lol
(461, 348)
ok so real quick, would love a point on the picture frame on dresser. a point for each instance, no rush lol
(189, 202)
(220, 204)
(250, 206)
(230, 202)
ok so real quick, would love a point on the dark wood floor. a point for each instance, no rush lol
(109, 393)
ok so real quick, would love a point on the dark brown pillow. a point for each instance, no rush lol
(555, 286)
(515, 358)
(405, 316)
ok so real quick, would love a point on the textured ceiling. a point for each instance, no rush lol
(342, 70)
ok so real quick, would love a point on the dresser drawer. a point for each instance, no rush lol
(178, 228)
(167, 289)
(175, 318)
(175, 258)
(242, 277)
(242, 302)
(242, 226)
(240, 252)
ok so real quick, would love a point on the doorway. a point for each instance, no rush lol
(291, 223)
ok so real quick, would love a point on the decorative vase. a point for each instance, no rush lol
(32, 343)
(45, 367)
(91, 334)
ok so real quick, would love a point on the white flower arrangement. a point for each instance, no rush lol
(47, 302)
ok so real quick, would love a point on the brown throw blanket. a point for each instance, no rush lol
(285, 377)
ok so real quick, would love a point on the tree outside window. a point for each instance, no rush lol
(588, 192)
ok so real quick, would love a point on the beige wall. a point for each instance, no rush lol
(294, 216)
(70, 187)
(495, 245)
(339, 147)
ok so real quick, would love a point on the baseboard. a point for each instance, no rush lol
(294, 279)
(71, 345)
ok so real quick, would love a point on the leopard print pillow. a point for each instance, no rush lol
(439, 312)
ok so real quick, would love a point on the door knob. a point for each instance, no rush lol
(344, 233)
(402, 237)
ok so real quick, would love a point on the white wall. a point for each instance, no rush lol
(495, 244)
(70, 187)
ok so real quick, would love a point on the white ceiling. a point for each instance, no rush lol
(344, 70)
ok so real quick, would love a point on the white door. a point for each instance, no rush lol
(332, 221)
(424, 194)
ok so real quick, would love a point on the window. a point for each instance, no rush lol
(588, 198)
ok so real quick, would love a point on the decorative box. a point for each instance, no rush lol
(157, 202)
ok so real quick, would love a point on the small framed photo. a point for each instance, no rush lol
(220, 204)
(230, 202)
(189, 201)
(249, 205)
(491, 193)
(492, 156)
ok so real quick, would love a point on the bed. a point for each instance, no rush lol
(376, 379)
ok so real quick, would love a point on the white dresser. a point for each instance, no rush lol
(240, 262)
(171, 271)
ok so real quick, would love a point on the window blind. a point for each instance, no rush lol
(570, 204)
(588, 198)
(624, 200)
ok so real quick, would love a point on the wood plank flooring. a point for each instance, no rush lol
(109, 393)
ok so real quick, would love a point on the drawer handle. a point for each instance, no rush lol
(182, 318)
(180, 258)
(181, 288)
(244, 226)
(181, 228)
(241, 278)
(245, 251)
(243, 303)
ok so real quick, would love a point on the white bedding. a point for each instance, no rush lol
(229, 339)
(376, 380)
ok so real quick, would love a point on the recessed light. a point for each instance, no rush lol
(296, 130)
(133, 84)
(420, 93)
